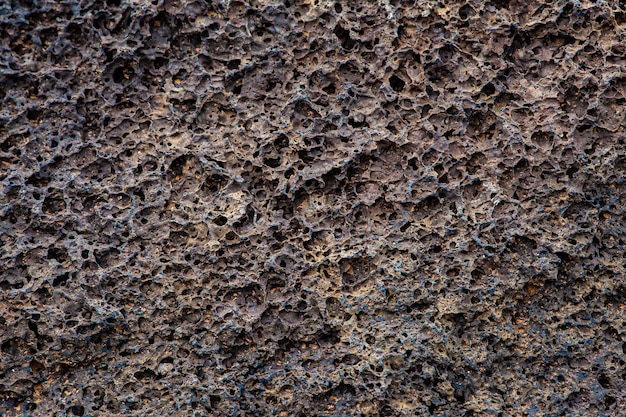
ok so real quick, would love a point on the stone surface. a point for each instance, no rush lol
(312, 208)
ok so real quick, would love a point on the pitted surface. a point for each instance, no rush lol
(312, 208)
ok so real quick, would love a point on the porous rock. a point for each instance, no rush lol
(312, 208)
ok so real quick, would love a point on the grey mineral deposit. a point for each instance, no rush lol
(312, 208)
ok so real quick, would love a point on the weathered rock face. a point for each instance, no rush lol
(312, 208)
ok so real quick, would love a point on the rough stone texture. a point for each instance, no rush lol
(312, 208)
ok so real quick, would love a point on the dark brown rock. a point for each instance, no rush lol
(312, 208)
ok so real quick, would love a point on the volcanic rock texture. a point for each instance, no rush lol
(316, 208)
